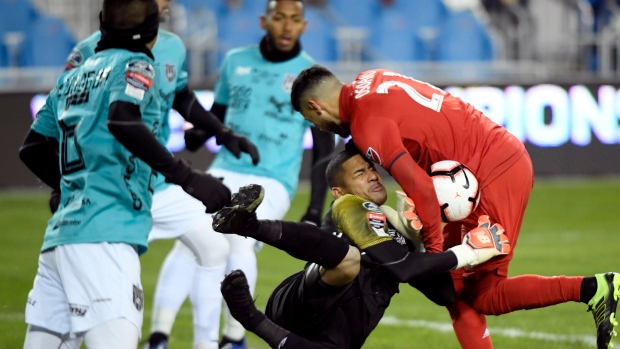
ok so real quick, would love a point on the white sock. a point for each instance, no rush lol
(207, 304)
(173, 286)
(242, 257)
(118, 334)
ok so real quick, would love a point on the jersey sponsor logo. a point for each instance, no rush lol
(77, 309)
(75, 59)
(373, 156)
(66, 222)
(287, 84)
(362, 85)
(138, 297)
(171, 72)
(377, 222)
(396, 236)
(240, 97)
(241, 71)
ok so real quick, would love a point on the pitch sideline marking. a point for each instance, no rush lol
(443, 327)
(504, 332)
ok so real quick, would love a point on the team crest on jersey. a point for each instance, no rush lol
(171, 72)
(373, 156)
(287, 84)
(75, 59)
(138, 297)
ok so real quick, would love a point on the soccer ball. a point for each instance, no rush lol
(457, 189)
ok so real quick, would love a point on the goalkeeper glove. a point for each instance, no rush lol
(481, 244)
(312, 216)
(405, 220)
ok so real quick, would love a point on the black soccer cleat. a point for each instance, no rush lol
(248, 197)
(240, 216)
(603, 306)
(236, 292)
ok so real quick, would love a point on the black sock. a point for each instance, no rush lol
(226, 340)
(157, 337)
(588, 289)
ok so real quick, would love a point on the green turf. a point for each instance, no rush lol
(570, 228)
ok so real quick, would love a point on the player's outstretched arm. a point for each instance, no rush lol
(40, 154)
(187, 105)
(323, 146)
(125, 123)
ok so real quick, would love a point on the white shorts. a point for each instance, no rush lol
(276, 202)
(174, 213)
(80, 286)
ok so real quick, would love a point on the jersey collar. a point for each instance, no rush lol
(345, 93)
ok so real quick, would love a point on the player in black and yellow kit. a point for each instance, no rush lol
(341, 295)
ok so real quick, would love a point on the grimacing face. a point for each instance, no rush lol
(361, 178)
(284, 23)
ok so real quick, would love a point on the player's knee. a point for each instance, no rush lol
(210, 248)
(349, 268)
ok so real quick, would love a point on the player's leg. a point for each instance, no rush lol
(117, 333)
(41, 338)
(469, 325)
(211, 250)
(275, 204)
(47, 310)
(199, 258)
(102, 283)
(173, 286)
(236, 291)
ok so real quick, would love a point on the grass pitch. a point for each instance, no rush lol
(570, 228)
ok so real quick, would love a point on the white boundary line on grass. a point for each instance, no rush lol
(504, 332)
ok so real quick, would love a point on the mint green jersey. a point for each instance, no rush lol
(106, 192)
(170, 55)
(257, 94)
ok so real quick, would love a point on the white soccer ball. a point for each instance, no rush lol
(457, 189)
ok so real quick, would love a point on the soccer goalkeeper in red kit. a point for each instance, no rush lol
(406, 125)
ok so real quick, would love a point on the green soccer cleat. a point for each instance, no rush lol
(603, 306)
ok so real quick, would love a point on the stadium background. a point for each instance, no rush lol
(545, 69)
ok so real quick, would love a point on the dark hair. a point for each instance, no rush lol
(127, 14)
(306, 81)
(334, 170)
(269, 1)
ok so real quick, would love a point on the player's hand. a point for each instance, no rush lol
(482, 243)
(195, 138)
(404, 219)
(237, 144)
(54, 201)
(360, 220)
(201, 185)
(312, 216)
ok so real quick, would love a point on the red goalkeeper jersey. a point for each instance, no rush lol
(406, 125)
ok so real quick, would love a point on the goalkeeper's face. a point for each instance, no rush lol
(360, 177)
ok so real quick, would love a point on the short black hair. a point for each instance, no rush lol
(334, 170)
(127, 14)
(269, 1)
(306, 81)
